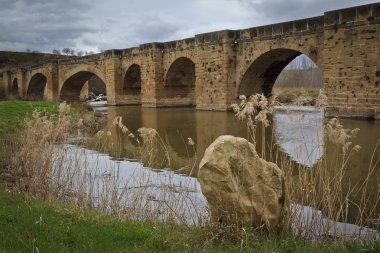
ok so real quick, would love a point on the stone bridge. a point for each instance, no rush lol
(210, 70)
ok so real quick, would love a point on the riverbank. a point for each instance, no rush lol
(296, 95)
(28, 223)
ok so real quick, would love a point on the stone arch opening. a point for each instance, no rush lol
(81, 86)
(14, 89)
(36, 87)
(262, 74)
(132, 80)
(180, 81)
(301, 77)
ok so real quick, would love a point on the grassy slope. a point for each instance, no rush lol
(27, 223)
(12, 113)
(9, 60)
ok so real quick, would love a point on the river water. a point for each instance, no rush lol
(299, 132)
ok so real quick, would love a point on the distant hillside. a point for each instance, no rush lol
(10, 60)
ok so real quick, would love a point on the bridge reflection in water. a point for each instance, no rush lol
(300, 133)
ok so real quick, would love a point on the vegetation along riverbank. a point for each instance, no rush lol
(37, 216)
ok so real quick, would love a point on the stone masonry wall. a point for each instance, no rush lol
(352, 61)
(213, 70)
(151, 72)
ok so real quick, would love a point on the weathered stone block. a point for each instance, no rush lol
(240, 186)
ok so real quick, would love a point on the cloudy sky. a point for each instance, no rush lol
(94, 25)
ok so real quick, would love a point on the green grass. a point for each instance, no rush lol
(12, 113)
(287, 95)
(28, 224)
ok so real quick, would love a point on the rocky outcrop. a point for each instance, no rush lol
(238, 184)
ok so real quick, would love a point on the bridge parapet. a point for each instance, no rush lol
(150, 46)
(350, 16)
(179, 44)
(38, 66)
(213, 37)
(130, 52)
(280, 29)
(83, 59)
(113, 53)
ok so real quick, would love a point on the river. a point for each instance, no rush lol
(298, 132)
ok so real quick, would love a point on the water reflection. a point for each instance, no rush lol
(299, 132)
(175, 126)
(140, 193)
(129, 188)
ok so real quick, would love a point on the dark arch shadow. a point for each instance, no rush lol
(263, 72)
(36, 87)
(14, 89)
(132, 80)
(72, 87)
(180, 79)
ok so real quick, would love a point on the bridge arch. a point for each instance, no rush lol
(14, 88)
(179, 81)
(262, 73)
(36, 87)
(132, 80)
(72, 86)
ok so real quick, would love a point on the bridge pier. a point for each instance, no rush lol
(113, 76)
(152, 77)
(6, 83)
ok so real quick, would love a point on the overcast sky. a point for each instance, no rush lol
(94, 25)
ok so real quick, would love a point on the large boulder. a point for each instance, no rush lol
(240, 186)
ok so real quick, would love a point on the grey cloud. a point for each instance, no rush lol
(43, 25)
(132, 32)
(274, 11)
(153, 28)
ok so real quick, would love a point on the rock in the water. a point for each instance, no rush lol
(238, 184)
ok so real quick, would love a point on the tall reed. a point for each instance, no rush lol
(320, 197)
(46, 165)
